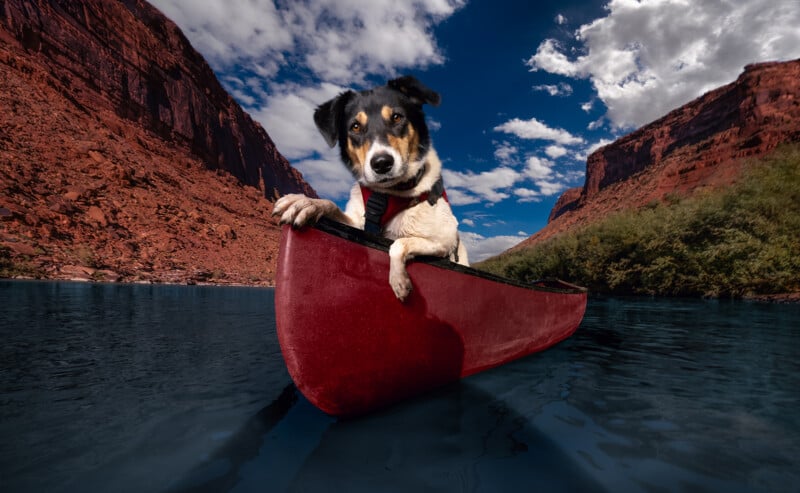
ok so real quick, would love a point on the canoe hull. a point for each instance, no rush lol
(351, 347)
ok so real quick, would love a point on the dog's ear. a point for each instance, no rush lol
(328, 117)
(418, 92)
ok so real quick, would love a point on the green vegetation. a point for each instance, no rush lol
(741, 241)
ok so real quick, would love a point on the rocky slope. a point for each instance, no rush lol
(703, 144)
(121, 155)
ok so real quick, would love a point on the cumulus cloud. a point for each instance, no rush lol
(461, 197)
(555, 151)
(533, 129)
(287, 115)
(486, 186)
(537, 179)
(480, 247)
(538, 168)
(547, 187)
(328, 176)
(254, 32)
(647, 57)
(505, 153)
(340, 41)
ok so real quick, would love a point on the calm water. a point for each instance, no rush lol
(167, 388)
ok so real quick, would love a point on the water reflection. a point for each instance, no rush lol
(458, 438)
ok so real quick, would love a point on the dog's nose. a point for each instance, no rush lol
(382, 163)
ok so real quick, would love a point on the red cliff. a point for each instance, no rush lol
(121, 155)
(700, 145)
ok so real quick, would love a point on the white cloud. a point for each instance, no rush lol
(560, 20)
(480, 247)
(254, 32)
(527, 195)
(461, 197)
(594, 125)
(505, 153)
(555, 151)
(535, 130)
(648, 57)
(340, 41)
(549, 58)
(468, 222)
(550, 187)
(535, 181)
(329, 177)
(287, 114)
(560, 89)
(485, 186)
(538, 168)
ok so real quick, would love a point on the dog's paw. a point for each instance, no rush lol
(401, 283)
(299, 210)
(283, 203)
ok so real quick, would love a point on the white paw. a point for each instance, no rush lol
(285, 202)
(400, 282)
(298, 210)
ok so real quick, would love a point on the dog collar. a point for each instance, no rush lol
(380, 208)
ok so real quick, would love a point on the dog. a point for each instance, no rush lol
(385, 143)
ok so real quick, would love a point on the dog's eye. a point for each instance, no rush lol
(355, 127)
(397, 117)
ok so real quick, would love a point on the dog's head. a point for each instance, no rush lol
(381, 132)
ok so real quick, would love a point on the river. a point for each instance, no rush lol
(137, 388)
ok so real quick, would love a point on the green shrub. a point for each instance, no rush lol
(730, 243)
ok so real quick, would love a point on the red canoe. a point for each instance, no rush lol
(352, 347)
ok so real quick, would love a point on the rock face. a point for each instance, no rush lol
(121, 155)
(698, 146)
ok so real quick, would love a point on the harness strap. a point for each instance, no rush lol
(375, 207)
(380, 208)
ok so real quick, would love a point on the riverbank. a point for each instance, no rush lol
(776, 298)
(77, 273)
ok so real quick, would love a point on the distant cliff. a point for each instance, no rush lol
(700, 145)
(121, 155)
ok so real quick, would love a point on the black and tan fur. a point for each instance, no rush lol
(385, 143)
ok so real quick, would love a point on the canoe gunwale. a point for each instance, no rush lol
(368, 240)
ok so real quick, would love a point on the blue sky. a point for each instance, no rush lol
(528, 89)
